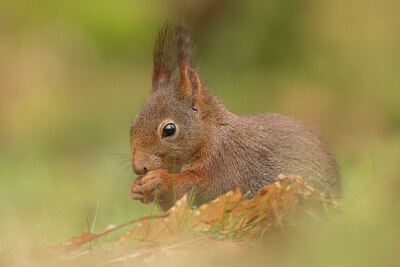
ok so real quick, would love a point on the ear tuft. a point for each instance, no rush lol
(171, 41)
(184, 50)
(190, 84)
(163, 63)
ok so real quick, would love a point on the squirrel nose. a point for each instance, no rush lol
(138, 168)
(138, 162)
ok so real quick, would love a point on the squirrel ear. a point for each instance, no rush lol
(190, 83)
(162, 63)
(190, 86)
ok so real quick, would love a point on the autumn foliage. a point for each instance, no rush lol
(230, 216)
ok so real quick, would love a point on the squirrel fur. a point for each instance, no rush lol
(213, 150)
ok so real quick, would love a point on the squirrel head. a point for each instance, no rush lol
(174, 123)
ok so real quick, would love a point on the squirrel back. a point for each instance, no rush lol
(183, 139)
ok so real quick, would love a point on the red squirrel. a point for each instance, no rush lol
(184, 140)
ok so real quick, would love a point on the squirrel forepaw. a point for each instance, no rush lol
(150, 186)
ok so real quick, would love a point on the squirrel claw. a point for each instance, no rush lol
(138, 180)
(146, 187)
(137, 196)
(136, 191)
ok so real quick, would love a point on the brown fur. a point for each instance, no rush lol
(214, 150)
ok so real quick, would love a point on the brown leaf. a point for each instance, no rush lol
(228, 216)
(225, 215)
(77, 241)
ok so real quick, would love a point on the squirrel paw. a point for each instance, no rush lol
(146, 187)
(135, 190)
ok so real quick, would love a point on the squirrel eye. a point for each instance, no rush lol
(168, 130)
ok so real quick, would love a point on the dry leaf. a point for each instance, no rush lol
(229, 214)
(77, 241)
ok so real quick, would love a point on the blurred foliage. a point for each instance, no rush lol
(74, 73)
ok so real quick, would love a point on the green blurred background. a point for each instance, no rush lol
(74, 73)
